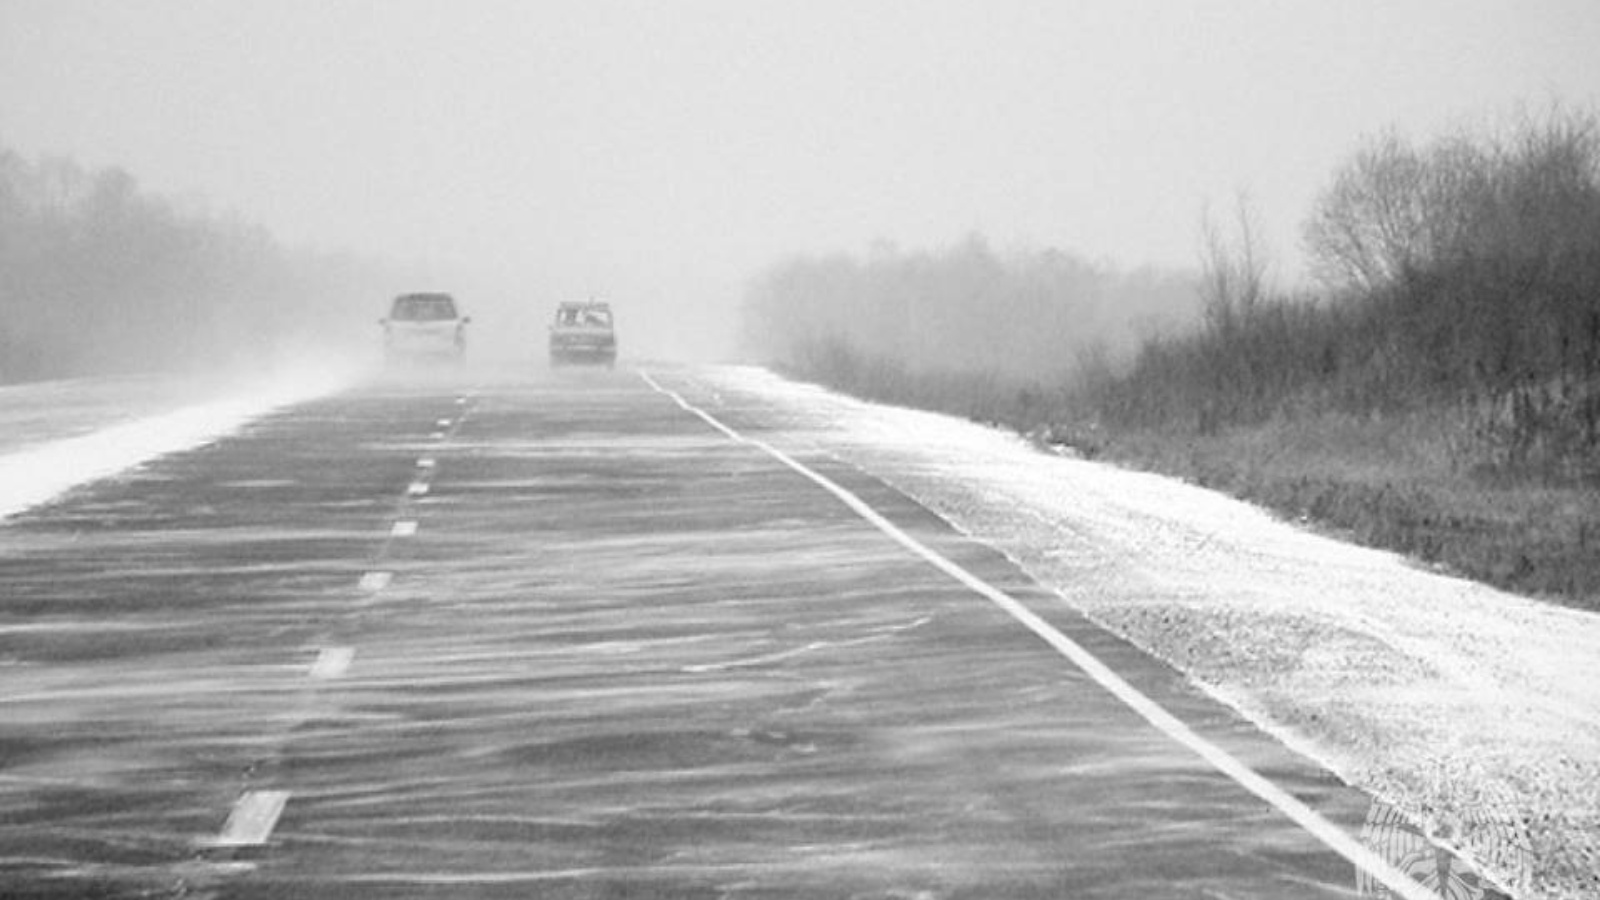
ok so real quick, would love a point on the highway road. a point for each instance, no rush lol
(586, 635)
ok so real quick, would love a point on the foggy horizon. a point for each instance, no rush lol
(662, 157)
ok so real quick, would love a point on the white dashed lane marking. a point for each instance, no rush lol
(376, 581)
(255, 814)
(332, 662)
(252, 819)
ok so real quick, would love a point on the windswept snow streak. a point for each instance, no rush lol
(39, 472)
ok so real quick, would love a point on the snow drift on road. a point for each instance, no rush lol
(1474, 711)
(43, 469)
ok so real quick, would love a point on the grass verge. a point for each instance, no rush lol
(1393, 482)
(1379, 483)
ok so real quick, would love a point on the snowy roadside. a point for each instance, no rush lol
(65, 434)
(1474, 712)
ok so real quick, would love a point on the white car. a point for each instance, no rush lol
(583, 333)
(424, 326)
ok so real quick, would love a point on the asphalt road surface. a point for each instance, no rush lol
(562, 636)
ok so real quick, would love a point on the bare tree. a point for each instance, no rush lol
(1368, 229)
(1233, 267)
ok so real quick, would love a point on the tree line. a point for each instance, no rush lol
(1461, 274)
(1029, 315)
(98, 277)
(1458, 274)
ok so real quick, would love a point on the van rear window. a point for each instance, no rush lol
(590, 316)
(423, 308)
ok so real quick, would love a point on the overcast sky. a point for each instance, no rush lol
(658, 151)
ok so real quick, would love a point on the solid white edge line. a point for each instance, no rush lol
(254, 816)
(1331, 835)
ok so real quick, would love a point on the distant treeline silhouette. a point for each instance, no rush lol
(99, 277)
(1028, 315)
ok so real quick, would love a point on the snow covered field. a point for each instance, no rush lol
(1475, 712)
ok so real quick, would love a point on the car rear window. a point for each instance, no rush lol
(423, 308)
(599, 316)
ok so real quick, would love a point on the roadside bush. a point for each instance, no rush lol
(1463, 274)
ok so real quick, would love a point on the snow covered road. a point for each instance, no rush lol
(57, 435)
(1471, 710)
(1472, 713)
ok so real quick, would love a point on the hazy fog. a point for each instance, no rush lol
(662, 154)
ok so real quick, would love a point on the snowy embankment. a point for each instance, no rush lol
(59, 435)
(1475, 712)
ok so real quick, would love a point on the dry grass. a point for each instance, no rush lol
(1407, 482)
(1394, 482)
